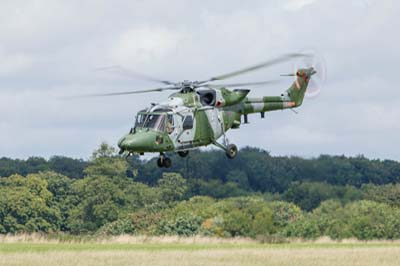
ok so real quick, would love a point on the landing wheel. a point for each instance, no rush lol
(160, 163)
(231, 151)
(164, 162)
(183, 154)
(167, 163)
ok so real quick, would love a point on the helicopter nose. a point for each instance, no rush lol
(135, 142)
(128, 142)
(122, 143)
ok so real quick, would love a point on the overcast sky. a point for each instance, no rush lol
(51, 48)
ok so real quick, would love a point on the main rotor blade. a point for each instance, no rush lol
(123, 93)
(242, 84)
(268, 63)
(131, 74)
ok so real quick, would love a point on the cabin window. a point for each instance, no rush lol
(170, 124)
(188, 122)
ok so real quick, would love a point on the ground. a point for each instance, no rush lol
(197, 253)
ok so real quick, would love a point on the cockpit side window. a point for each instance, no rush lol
(140, 120)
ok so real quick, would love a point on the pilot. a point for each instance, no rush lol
(170, 125)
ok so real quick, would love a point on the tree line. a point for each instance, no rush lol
(258, 195)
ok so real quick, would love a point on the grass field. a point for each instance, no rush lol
(197, 253)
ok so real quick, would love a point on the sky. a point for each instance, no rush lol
(50, 49)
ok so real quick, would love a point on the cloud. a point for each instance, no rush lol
(144, 45)
(13, 63)
(294, 5)
(51, 48)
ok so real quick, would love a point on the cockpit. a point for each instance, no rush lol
(159, 120)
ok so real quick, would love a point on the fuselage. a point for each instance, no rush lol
(194, 118)
(181, 123)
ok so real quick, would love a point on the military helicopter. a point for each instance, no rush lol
(200, 113)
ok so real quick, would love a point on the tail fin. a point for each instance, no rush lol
(298, 89)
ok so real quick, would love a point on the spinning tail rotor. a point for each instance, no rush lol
(317, 82)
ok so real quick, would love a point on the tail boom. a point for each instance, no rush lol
(291, 98)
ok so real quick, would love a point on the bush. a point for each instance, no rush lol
(372, 220)
(285, 213)
(182, 225)
(119, 227)
(304, 228)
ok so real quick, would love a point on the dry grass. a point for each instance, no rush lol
(127, 239)
(32, 250)
(123, 239)
(132, 239)
(241, 256)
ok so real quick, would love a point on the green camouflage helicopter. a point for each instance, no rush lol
(200, 113)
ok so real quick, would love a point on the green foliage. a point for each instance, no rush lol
(372, 220)
(26, 205)
(72, 168)
(104, 151)
(60, 188)
(211, 174)
(285, 213)
(98, 200)
(239, 177)
(183, 225)
(105, 162)
(258, 196)
(389, 194)
(303, 228)
(111, 167)
(309, 195)
(244, 216)
(215, 188)
(118, 227)
(364, 220)
(237, 223)
(101, 199)
(172, 187)
(198, 205)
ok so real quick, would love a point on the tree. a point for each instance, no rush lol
(26, 205)
(105, 162)
(104, 151)
(60, 188)
(172, 187)
(389, 194)
(285, 213)
(98, 201)
(73, 168)
(372, 220)
(309, 195)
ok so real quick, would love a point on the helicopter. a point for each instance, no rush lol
(200, 113)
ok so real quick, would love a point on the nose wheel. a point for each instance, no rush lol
(163, 161)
